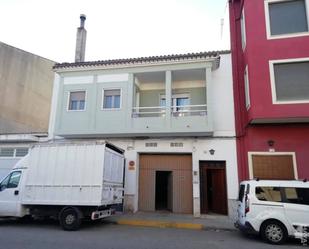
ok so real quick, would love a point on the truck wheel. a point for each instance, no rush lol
(70, 219)
(274, 232)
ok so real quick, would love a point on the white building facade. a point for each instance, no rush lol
(173, 116)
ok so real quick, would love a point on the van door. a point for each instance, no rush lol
(9, 194)
(296, 206)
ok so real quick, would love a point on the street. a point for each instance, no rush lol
(48, 235)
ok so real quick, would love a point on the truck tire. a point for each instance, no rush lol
(70, 219)
(274, 232)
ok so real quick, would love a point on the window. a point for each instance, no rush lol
(291, 81)
(11, 181)
(14, 179)
(111, 99)
(13, 152)
(77, 101)
(247, 92)
(241, 193)
(297, 195)
(287, 17)
(179, 102)
(243, 29)
(268, 194)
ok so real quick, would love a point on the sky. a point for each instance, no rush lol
(115, 28)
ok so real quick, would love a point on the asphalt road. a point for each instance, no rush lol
(48, 235)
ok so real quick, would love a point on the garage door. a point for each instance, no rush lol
(276, 167)
(178, 169)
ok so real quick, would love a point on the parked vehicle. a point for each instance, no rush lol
(66, 181)
(274, 209)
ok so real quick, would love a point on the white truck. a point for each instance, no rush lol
(66, 181)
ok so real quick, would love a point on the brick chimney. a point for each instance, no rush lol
(81, 40)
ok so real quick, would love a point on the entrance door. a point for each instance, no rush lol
(213, 187)
(173, 172)
(164, 190)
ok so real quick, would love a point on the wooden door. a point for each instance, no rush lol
(213, 189)
(180, 182)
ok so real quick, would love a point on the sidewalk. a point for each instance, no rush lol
(170, 220)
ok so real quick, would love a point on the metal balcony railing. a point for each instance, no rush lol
(176, 111)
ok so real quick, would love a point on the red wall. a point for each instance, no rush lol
(258, 52)
(287, 138)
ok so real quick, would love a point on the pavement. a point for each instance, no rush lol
(170, 220)
(101, 235)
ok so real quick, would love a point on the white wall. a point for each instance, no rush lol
(225, 150)
(223, 112)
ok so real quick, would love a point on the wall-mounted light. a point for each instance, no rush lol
(270, 143)
(212, 151)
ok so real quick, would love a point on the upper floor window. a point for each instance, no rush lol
(290, 81)
(111, 98)
(77, 101)
(243, 29)
(286, 17)
(247, 91)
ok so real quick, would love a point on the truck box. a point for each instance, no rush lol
(74, 174)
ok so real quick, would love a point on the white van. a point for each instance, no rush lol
(274, 209)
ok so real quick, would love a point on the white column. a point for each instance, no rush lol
(209, 96)
(168, 96)
(130, 96)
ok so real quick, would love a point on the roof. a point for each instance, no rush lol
(141, 60)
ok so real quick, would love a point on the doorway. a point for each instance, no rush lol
(213, 187)
(164, 190)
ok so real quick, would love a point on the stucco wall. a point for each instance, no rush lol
(26, 87)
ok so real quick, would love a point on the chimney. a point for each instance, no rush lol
(81, 40)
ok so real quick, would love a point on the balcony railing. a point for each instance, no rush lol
(151, 111)
(176, 111)
(189, 110)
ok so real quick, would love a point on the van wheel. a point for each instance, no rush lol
(70, 219)
(274, 232)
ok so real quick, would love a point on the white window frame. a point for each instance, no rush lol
(273, 83)
(247, 88)
(259, 153)
(68, 100)
(267, 20)
(243, 29)
(102, 99)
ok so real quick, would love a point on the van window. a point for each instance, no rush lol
(297, 195)
(241, 192)
(268, 194)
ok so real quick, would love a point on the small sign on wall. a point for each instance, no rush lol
(131, 165)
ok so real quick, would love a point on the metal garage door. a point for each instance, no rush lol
(180, 167)
(276, 167)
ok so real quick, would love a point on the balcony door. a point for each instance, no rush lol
(180, 103)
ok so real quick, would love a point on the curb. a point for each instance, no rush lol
(159, 224)
(169, 224)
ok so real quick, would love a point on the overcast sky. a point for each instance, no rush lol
(115, 28)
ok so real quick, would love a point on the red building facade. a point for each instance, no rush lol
(270, 54)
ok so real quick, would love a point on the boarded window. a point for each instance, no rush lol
(77, 100)
(288, 17)
(292, 81)
(273, 167)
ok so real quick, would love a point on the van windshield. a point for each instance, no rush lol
(241, 192)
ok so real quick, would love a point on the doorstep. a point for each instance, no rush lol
(170, 220)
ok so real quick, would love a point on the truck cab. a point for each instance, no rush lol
(11, 189)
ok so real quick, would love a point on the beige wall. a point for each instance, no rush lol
(25, 91)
